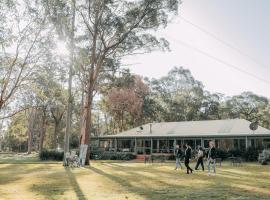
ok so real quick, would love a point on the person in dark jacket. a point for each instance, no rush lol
(211, 158)
(178, 155)
(187, 158)
(200, 156)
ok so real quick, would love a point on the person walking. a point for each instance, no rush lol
(187, 158)
(200, 156)
(211, 158)
(178, 155)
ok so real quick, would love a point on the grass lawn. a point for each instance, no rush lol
(125, 180)
(21, 158)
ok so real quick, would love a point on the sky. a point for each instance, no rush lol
(225, 45)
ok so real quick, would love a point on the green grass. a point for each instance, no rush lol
(126, 180)
(21, 158)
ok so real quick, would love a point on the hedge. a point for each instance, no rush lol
(251, 154)
(103, 155)
(51, 155)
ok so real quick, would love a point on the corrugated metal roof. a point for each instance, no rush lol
(229, 127)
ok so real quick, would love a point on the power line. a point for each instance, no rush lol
(219, 60)
(226, 43)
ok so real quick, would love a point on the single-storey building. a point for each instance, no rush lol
(162, 137)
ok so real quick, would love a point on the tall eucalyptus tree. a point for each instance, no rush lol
(62, 13)
(112, 29)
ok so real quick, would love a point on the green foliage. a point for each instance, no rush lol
(15, 138)
(235, 153)
(223, 154)
(103, 155)
(247, 105)
(265, 163)
(178, 93)
(74, 141)
(178, 96)
(51, 155)
(251, 154)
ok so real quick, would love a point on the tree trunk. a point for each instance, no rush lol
(1, 104)
(106, 123)
(121, 121)
(31, 123)
(57, 116)
(69, 109)
(86, 122)
(56, 129)
(41, 140)
(42, 136)
(30, 142)
(42, 131)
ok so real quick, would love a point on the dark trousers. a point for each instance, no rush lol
(187, 166)
(200, 162)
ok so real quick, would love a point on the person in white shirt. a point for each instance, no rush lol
(200, 156)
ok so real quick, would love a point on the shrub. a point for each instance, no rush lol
(223, 154)
(104, 155)
(264, 163)
(96, 154)
(51, 155)
(236, 153)
(251, 154)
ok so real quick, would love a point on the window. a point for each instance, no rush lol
(242, 143)
(206, 143)
(171, 145)
(198, 143)
(155, 146)
(190, 142)
(163, 146)
(266, 143)
(235, 144)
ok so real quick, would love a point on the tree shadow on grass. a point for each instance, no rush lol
(166, 192)
(116, 179)
(55, 184)
(11, 173)
(75, 185)
(175, 191)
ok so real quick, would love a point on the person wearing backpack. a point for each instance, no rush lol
(178, 155)
(200, 156)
